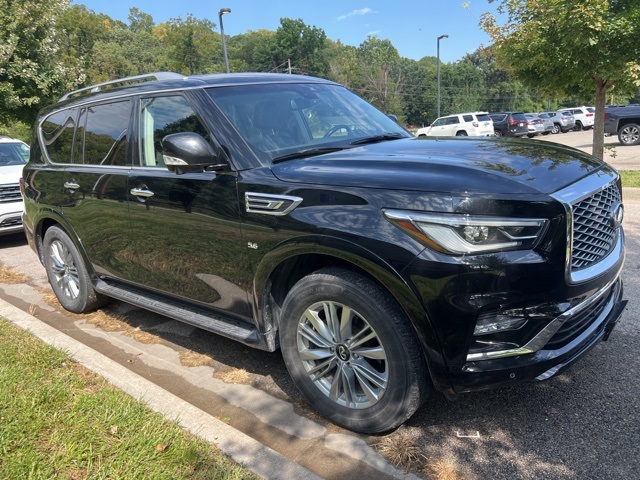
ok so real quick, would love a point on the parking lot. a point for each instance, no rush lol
(581, 424)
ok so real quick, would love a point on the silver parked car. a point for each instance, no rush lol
(546, 121)
(534, 124)
(563, 121)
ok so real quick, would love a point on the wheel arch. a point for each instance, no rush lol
(50, 219)
(283, 267)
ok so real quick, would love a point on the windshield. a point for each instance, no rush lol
(278, 120)
(13, 154)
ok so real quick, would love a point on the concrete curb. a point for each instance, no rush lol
(243, 449)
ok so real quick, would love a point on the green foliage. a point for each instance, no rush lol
(50, 47)
(189, 44)
(575, 48)
(30, 68)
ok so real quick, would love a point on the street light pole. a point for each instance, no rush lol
(224, 11)
(439, 38)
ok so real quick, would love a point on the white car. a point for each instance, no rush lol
(585, 116)
(14, 154)
(473, 124)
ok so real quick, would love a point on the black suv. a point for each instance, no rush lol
(509, 124)
(287, 213)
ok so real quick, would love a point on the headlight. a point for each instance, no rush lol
(464, 234)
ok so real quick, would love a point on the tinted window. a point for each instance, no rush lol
(452, 120)
(57, 135)
(439, 122)
(13, 154)
(483, 117)
(283, 118)
(497, 118)
(591, 110)
(162, 116)
(467, 118)
(103, 130)
(519, 116)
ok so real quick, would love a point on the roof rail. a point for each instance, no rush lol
(122, 81)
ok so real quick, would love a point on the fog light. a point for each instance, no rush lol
(498, 323)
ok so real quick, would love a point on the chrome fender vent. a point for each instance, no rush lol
(268, 204)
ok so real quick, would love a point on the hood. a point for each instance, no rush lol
(455, 165)
(10, 173)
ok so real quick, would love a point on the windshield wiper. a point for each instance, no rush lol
(378, 138)
(310, 152)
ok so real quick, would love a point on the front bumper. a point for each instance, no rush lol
(546, 362)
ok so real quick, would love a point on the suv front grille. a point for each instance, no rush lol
(10, 193)
(594, 232)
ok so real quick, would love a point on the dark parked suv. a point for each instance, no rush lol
(509, 124)
(287, 213)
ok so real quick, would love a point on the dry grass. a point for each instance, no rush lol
(9, 276)
(142, 336)
(401, 450)
(189, 358)
(235, 375)
(442, 470)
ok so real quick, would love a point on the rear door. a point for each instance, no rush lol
(95, 201)
(185, 228)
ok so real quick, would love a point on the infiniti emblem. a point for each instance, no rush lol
(342, 352)
(617, 214)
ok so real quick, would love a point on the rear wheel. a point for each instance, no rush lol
(68, 274)
(578, 126)
(497, 133)
(351, 351)
(556, 129)
(629, 134)
(461, 133)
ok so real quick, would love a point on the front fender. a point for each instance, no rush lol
(332, 250)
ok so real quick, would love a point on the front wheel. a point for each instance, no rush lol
(629, 134)
(497, 133)
(351, 351)
(67, 273)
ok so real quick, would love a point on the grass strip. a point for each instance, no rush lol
(59, 420)
(630, 178)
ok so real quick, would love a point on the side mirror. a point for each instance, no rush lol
(188, 152)
(393, 117)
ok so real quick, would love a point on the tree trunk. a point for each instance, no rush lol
(598, 125)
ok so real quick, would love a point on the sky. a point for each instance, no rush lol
(412, 28)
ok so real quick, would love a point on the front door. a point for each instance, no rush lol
(185, 228)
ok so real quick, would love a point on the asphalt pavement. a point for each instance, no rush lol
(582, 424)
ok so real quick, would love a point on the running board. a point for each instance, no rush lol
(198, 317)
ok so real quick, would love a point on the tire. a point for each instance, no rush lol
(337, 377)
(461, 133)
(497, 133)
(629, 134)
(68, 274)
(556, 129)
(578, 126)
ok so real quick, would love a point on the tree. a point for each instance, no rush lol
(563, 48)
(382, 75)
(302, 44)
(31, 70)
(190, 44)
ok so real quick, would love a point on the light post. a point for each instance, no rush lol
(224, 11)
(439, 38)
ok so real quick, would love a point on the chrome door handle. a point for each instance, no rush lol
(142, 193)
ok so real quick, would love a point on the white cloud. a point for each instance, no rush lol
(362, 11)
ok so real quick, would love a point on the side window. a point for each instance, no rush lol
(57, 135)
(103, 130)
(452, 121)
(467, 118)
(161, 116)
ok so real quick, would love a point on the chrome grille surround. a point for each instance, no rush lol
(595, 239)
